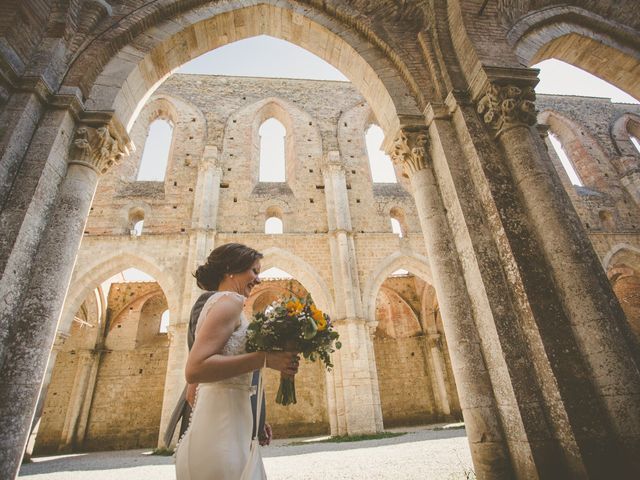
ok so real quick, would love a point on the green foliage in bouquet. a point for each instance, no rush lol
(296, 325)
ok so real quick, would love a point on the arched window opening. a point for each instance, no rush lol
(564, 159)
(399, 273)
(636, 142)
(136, 231)
(157, 148)
(272, 145)
(395, 227)
(136, 221)
(164, 321)
(398, 221)
(275, 273)
(379, 162)
(606, 218)
(273, 225)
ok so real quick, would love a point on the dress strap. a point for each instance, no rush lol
(212, 300)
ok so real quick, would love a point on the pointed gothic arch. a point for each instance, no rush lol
(584, 152)
(303, 272)
(413, 262)
(94, 273)
(122, 82)
(581, 38)
(626, 126)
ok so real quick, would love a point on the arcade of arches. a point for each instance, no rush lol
(520, 311)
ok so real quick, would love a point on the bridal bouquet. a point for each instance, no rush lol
(293, 324)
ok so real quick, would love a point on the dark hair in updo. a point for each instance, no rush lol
(227, 258)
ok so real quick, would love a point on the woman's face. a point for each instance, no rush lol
(247, 279)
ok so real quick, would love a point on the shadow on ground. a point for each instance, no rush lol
(93, 461)
(280, 448)
(287, 449)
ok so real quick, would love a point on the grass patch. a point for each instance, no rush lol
(163, 452)
(352, 438)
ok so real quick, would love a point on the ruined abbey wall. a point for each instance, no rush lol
(217, 188)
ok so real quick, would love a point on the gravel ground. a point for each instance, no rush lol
(422, 453)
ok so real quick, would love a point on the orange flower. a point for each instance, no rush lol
(294, 307)
(318, 317)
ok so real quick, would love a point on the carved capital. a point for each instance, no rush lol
(333, 162)
(97, 148)
(506, 106)
(410, 149)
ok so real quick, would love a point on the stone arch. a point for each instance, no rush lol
(584, 151)
(187, 121)
(405, 308)
(623, 271)
(358, 118)
(303, 273)
(284, 112)
(122, 82)
(399, 215)
(627, 125)
(92, 274)
(413, 262)
(158, 108)
(258, 294)
(150, 317)
(618, 253)
(581, 38)
(293, 118)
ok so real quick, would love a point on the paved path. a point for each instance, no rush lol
(420, 454)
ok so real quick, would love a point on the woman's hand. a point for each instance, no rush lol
(266, 435)
(285, 362)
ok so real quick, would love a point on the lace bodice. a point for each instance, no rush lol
(236, 344)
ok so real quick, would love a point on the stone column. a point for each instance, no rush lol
(203, 225)
(482, 420)
(51, 363)
(32, 329)
(357, 396)
(81, 385)
(578, 302)
(87, 401)
(434, 349)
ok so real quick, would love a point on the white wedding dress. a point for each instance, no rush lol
(218, 443)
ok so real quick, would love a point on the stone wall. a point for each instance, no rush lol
(118, 405)
(127, 403)
(405, 387)
(220, 137)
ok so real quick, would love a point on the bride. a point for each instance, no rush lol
(218, 443)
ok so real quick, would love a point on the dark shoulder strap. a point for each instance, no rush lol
(195, 313)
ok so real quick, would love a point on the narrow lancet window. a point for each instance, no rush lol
(136, 231)
(395, 227)
(381, 167)
(272, 152)
(566, 163)
(157, 148)
(273, 225)
(164, 322)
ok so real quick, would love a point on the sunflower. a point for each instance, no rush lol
(318, 317)
(294, 307)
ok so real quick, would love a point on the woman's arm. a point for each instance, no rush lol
(205, 362)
